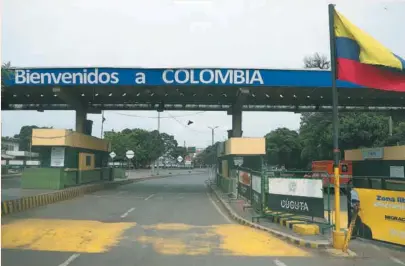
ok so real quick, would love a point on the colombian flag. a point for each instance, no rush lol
(364, 61)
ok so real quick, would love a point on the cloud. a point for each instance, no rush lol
(167, 33)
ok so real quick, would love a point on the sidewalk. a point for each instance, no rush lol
(7, 176)
(235, 209)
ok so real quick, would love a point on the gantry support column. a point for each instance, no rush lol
(236, 112)
(237, 122)
(81, 120)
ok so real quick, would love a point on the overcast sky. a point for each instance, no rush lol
(182, 33)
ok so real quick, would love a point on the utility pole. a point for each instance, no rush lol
(158, 161)
(212, 141)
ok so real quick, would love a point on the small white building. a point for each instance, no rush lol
(12, 156)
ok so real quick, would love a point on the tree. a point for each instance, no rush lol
(357, 130)
(283, 148)
(147, 145)
(25, 137)
(317, 61)
(208, 155)
(170, 145)
(5, 72)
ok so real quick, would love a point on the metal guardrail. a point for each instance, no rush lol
(379, 182)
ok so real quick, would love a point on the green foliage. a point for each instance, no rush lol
(207, 156)
(283, 147)
(5, 72)
(357, 130)
(147, 145)
(25, 137)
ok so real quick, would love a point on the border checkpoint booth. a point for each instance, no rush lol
(234, 155)
(68, 158)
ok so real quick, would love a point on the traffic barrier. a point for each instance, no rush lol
(266, 192)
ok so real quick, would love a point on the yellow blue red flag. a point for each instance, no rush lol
(364, 61)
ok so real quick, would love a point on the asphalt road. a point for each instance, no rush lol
(170, 221)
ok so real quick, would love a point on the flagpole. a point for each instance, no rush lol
(338, 236)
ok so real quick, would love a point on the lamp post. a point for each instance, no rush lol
(212, 140)
(212, 133)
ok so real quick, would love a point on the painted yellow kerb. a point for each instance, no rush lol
(62, 235)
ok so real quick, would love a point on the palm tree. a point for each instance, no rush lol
(5, 72)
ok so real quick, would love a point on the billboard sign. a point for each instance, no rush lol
(381, 216)
(296, 195)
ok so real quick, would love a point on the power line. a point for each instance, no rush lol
(156, 117)
(174, 118)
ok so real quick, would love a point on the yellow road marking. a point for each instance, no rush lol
(245, 241)
(229, 239)
(79, 236)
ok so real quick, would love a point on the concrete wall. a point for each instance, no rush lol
(59, 178)
(42, 178)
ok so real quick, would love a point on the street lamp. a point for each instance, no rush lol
(212, 133)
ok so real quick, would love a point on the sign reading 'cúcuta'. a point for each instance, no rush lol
(296, 195)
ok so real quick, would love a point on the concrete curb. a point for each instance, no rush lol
(290, 238)
(26, 203)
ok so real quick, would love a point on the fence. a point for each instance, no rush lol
(295, 194)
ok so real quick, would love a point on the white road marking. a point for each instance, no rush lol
(279, 263)
(126, 214)
(397, 260)
(376, 248)
(150, 196)
(70, 259)
(218, 209)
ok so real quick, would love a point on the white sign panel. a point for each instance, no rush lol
(296, 187)
(397, 171)
(16, 162)
(238, 161)
(3, 162)
(112, 155)
(373, 153)
(257, 183)
(58, 156)
(130, 154)
(179, 159)
(32, 163)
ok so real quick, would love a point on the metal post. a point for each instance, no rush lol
(102, 124)
(390, 126)
(157, 166)
(338, 236)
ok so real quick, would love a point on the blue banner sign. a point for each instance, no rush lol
(156, 77)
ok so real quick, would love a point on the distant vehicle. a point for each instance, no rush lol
(325, 170)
